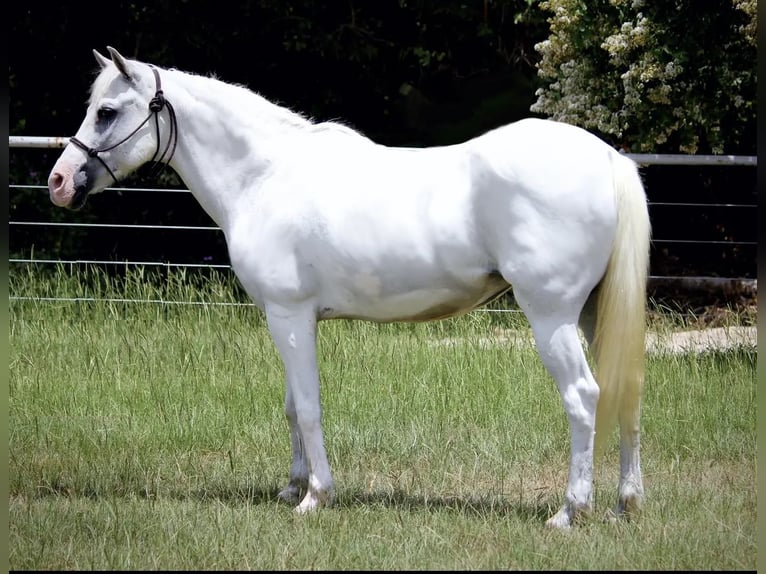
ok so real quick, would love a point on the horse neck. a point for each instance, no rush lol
(227, 138)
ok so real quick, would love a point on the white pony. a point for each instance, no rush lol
(323, 223)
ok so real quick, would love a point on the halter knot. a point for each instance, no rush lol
(157, 102)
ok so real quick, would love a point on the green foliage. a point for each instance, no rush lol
(653, 76)
(328, 59)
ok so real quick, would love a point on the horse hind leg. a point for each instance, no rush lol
(561, 351)
(630, 491)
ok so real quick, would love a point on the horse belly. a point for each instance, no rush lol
(373, 298)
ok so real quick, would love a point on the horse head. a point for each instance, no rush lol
(116, 136)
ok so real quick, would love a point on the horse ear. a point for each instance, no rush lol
(100, 59)
(120, 62)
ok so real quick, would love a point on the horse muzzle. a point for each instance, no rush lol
(67, 187)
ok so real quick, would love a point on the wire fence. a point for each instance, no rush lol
(46, 142)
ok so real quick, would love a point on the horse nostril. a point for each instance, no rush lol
(55, 181)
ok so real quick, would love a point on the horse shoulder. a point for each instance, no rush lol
(267, 257)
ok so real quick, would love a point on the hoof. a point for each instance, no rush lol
(625, 509)
(567, 516)
(314, 501)
(560, 521)
(291, 493)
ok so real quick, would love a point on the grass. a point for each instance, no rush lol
(146, 436)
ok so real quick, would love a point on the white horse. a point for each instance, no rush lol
(323, 223)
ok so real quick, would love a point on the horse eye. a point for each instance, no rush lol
(106, 113)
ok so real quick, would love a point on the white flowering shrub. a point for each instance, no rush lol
(670, 76)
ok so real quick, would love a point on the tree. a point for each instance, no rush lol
(653, 76)
(354, 60)
(407, 72)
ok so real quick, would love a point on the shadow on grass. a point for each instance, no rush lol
(478, 506)
(401, 500)
(397, 499)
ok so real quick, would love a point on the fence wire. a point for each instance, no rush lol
(48, 142)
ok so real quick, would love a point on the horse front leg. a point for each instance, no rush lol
(299, 470)
(294, 332)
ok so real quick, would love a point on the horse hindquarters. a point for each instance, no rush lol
(554, 257)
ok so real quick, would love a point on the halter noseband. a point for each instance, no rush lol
(156, 105)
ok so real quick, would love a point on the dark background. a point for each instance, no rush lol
(402, 72)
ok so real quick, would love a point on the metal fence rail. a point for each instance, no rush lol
(642, 158)
(60, 142)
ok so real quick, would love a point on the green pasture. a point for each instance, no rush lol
(152, 436)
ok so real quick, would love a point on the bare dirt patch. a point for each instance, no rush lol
(697, 341)
(691, 341)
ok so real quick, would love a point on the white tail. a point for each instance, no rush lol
(619, 341)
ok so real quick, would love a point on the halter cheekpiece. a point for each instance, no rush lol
(156, 105)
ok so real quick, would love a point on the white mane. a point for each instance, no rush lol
(252, 104)
(238, 98)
